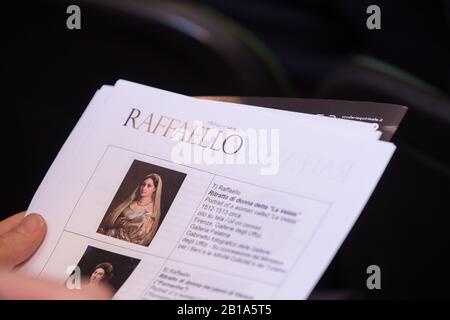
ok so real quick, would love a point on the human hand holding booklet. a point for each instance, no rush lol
(164, 196)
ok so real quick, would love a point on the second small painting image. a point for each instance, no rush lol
(98, 266)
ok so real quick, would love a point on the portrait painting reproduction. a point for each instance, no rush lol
(141, 203)
(98, 266)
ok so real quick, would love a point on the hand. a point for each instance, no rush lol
(20, 237)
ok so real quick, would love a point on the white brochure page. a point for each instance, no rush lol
(242, 229)
(357, 129)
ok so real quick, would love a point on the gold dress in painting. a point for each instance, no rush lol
(136, 228)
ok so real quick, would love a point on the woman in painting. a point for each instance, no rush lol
(102, 273)
(136, 219)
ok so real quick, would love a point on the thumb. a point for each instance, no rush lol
(18, 244)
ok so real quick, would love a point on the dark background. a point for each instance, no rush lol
(309, 48)
(171, 184)
(123, 265)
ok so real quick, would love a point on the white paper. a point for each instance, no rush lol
(264, 229)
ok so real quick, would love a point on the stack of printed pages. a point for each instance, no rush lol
(164, 196)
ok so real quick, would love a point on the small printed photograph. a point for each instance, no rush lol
(105, 267)
(141, 203)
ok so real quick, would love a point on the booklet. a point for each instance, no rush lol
(164, 196)
(384, 116)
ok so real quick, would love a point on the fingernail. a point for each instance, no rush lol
(31, 223)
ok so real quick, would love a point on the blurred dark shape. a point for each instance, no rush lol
(312, 37)
(404, 227)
